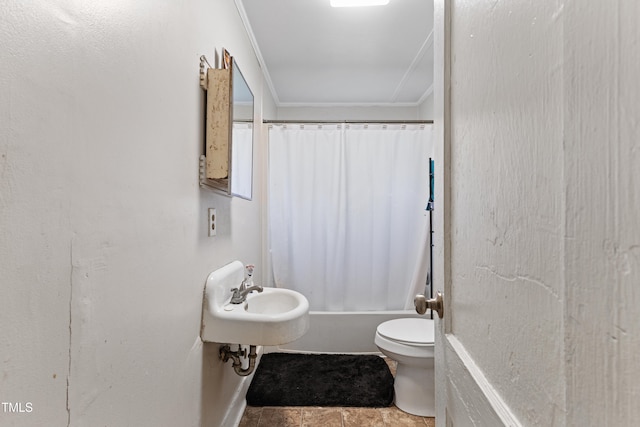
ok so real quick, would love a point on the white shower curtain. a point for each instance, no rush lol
(347, 220)
(242, 159)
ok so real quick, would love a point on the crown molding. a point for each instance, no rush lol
(256, 49)
(428, 42)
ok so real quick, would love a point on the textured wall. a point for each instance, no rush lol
(507, 205)
(545, 163)
(103, 244)
(602, 197)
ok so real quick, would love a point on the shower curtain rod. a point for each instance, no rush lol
(320, 122)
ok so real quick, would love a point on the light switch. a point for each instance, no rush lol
(212, 222)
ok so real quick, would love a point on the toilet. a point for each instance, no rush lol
(410, 343)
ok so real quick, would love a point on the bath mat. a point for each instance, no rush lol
(285, 379)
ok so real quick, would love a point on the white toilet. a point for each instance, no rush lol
(410, 343)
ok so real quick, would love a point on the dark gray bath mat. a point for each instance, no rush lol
(284, 379)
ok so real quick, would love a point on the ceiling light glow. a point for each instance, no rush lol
(358, 3)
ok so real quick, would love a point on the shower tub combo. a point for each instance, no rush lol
(342, 332)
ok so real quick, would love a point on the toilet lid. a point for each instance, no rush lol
(415, 331)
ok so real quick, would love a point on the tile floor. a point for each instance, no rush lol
(307, 416)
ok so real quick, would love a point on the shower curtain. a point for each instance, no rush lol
(347, 221)
(242, 154)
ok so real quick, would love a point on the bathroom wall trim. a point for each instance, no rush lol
(480, 397)
(238, 402)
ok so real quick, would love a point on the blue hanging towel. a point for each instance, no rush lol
(431, 185)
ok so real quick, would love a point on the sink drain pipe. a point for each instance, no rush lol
(226, 354)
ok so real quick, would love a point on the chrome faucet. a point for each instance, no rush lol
(246, 287)
(239, 296)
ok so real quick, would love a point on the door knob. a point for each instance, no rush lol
(436, 304)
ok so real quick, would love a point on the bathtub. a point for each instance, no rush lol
(342, 332)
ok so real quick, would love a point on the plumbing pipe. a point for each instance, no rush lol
(226, 353)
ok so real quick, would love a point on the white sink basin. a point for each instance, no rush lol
(272, 317)
(275, 302)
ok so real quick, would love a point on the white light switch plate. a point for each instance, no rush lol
(212, 222)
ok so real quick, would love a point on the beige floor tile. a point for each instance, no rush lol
(330, 417)
(321, 417)
(392, 365)
(362, 417)
(250, 417)
(280, 417)
(394, 417)
(430, 422)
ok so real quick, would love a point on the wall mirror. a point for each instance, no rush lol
(227, 165)
(241, 135)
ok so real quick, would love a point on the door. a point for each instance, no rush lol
(536, 226)
(464, 395)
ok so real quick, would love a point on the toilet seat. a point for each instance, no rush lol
(408, 337)
(409, 331)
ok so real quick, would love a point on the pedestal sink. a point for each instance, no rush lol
(272, 317)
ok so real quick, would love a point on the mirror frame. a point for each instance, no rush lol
(219, 84)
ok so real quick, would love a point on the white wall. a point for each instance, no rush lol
(347, 113)
(545, 231)
(426, 108)
(103, 243)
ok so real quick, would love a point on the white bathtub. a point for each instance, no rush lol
(342, 332)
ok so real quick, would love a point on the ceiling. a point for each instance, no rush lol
(315, 55)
